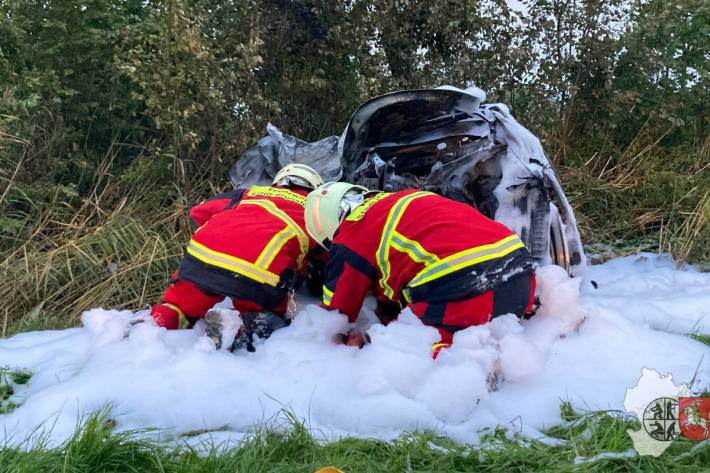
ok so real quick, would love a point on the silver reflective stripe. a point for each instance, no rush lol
(467, 258)
(414, 250)
(274, 210)
(327, 295)
(231, 263)
(392, 220)
(274, 246)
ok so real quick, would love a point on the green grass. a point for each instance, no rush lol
(11, 380)
(701, 338)
(96, 447)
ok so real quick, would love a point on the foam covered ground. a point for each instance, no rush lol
(638, 317)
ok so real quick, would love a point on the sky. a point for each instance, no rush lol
(585, 346)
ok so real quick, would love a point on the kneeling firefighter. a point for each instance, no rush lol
(453, 267)
(249, 244)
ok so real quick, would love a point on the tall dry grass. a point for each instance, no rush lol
(115, 248)
(645, 197)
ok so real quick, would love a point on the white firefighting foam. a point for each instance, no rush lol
(176, 382)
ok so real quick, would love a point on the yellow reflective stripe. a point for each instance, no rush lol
(274, 210)
(182, 319)
(413, 249)
(327, 295)
(266, 191)
(440, 345)
(395, 214)
(467, 258)
(232, 263)
(272, 248)
(359, 212)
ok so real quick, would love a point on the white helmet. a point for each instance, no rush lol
(325, 209)
(299, 175)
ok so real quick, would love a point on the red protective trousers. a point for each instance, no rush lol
(516, 297)
(185, 297)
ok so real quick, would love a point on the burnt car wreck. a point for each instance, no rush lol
(445, 141)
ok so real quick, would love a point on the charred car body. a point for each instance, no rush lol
(445, 141)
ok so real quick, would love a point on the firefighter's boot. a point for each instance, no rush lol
(257, 324)
(222, 326)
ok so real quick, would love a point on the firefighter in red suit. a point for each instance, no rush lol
(453, 267)
(249, 245)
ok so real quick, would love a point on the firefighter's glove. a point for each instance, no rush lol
(257, 324)
(352, 339)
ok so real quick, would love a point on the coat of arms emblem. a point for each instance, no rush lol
(694, 415)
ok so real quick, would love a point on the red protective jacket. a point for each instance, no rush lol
(413, 246)
(255, 237)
